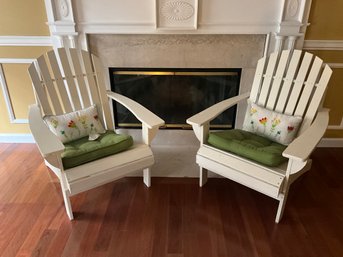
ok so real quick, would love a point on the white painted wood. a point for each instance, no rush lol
(323, 45)
(147, 177)
(16, 60)
(316, 98)
(49, 85)
(46, 141)
(272, 181)
(67, 106)
(292, 69)
(142, 114)
(307, 90)
(67, 204)
(148, 134)
(79, 77)
(224, 169)
(102, 91)
(90, 75)
(25, 41)
(267, 79)
(16, 138)
(74, 96)
(96, 173)
(203, 176)
(278, 79)
(39, 90)
(121, 159)
(212, 112)
(255, 90)
(107, 176)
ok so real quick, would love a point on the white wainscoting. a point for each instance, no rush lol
(25, 41)
(16, 138)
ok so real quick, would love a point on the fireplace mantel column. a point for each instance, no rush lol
(61, 22)
(293, 25)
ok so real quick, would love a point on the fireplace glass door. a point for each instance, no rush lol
(175, 94)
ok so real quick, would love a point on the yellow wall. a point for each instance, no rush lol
(23, 18)
(20, 18)
(326, 22)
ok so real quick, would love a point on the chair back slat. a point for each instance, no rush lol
(267, 80)
(278, 79)
(80, 77)
(255, 90)
(294, 89)
(69, 80)
(67, 105)
(40, 90)
(74, 96)
(308, 89)
(102, 91)
(90, 75)
(316, 98)
(288, 81)
(49, 85)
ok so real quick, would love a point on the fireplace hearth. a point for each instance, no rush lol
(174, 94)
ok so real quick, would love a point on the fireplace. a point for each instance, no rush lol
(174, 94)
(175, 149)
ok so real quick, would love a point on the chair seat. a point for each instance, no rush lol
(83, 150)
(248, 145)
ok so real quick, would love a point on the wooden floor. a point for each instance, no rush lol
(173, 218)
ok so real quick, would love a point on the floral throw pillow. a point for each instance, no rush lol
(74, 125)
(278, 127)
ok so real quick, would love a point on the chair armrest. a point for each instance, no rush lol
(302, 146)
(47, 141)
(212, 112)
(148, 118)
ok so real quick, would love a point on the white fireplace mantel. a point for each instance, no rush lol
(284, 20)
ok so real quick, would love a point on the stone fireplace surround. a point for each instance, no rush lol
(175, 150)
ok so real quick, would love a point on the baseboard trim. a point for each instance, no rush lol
(16, 138)
(331, 142)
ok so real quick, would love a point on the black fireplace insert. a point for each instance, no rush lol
(175, 94)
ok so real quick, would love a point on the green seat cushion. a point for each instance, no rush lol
(248, 145)
(82, 150)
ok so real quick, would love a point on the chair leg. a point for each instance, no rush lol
(202, 176)
(67, 204)
(147, 177)
(281, 207)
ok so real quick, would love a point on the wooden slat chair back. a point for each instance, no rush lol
(68, 80)
(75, 84)
(289, 82)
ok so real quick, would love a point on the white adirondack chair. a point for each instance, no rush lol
(287, 83)
(81, 86)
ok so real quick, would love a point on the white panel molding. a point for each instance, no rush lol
(16, 138)
(331, 142)
(335, 65)
(25, 41)
(4, 87)
(323, 45)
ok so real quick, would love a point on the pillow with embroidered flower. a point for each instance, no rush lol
(74, 125)
(278, 127)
